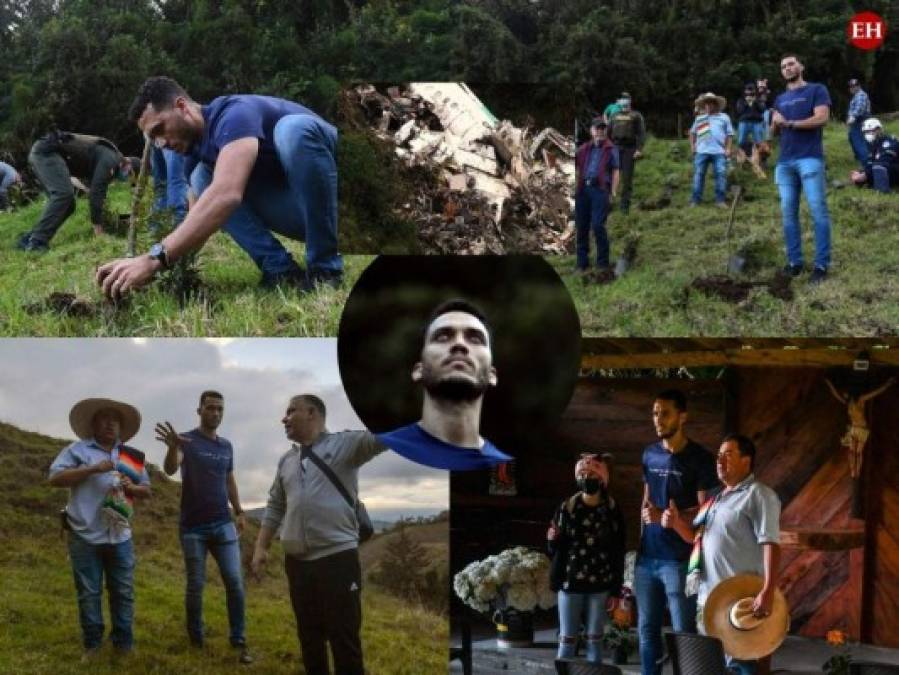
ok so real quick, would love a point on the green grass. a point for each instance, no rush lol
(39, 631)
(231, 303)
(677, 244)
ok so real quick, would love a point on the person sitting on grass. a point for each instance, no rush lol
(882, 165)
(711, 137)
(259, 166)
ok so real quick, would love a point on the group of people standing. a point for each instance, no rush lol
(704, 519)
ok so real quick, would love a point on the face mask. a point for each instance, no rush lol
(870, 137)
(589, 486)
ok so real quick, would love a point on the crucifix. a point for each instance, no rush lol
(857, 432)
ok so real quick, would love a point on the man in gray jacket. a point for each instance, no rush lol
(319, 533)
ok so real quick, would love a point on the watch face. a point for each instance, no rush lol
(156, 250)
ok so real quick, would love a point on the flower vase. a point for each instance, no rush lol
(514, 628)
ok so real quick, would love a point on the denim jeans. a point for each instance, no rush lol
(804, 175)
(169, 186)
(305, 208)
(591, 211)
(700, 165)
(858, 143)
(657, 582)
(576, 609)
(221, 540)
(745, 128)
(89, 563)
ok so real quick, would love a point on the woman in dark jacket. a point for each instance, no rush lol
(586, 543)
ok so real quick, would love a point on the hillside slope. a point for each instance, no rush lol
(39, 630)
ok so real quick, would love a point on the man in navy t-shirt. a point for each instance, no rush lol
(455, 369)
(207, 485)
(677, 472)
(799, 116)
(260, 165)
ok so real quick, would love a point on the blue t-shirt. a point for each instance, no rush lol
(413, 442)
(678, 476)
(205, 465)
(799, 104)
(230, 118)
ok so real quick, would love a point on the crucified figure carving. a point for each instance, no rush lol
(857, 432)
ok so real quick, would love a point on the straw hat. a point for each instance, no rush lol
(728, 616)
(81, 417)
(709, 96)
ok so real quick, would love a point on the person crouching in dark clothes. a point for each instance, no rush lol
(586, 542)
(882, 164)
(596, 166)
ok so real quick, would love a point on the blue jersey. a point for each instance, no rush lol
(413, 442)
(800, 104)
(205, 466)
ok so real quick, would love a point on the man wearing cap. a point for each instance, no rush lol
(799, 116)
(711, 138)
(737, 532)
(628, 132)
(96, 468)
(859, 111)
(677, 473)
(881, 170)
(455, 369)
(319, 534)
(596, 168)
(206, 461)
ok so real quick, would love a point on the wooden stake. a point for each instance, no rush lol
(138, 195)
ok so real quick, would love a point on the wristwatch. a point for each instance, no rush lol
(157, 252)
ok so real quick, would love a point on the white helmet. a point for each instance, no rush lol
(871, 124)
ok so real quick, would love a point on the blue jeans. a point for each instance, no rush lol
(89, 563)
(591, 209)
(305, 208)
(745, 128)
(575, 609)
(657, 582)
(804, 175)
(858, 143)
(221, 540)
(169, 186)
(700, 165)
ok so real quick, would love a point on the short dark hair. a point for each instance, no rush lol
(457, 305)
(744, 445)
(791, 55)
(159, 90)
(210, 393)
(314, 401)
(676, 396)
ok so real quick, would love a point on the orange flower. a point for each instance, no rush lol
(836, 637)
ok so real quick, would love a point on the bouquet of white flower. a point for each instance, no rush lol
(517, 578)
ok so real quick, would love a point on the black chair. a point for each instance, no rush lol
(463, 651)
(694, 654)
(575, 667)
(871, 668)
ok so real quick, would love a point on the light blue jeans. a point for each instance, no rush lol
(700, 165)
(90, 562)
(304, 209)
(755, 129)
(658, 582)
(221, 540)
(576, 609)
(804, 175)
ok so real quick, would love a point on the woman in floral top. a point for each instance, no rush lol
(586, 542)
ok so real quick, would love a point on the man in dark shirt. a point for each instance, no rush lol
(677, 472)
(596, 166)
(262, 165)
(207, 485)
(55, 158)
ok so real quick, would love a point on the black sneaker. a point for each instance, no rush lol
(245, 657)
(35, 246)
(793, 270)
(296, 276)
(23, 240)
(321, 278)
(819, 274)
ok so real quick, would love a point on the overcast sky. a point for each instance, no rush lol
(43, 378)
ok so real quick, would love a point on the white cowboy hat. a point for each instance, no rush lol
(81, 418)
(728, 616)
(709, 96)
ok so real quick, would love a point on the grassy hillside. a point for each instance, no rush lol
(230, 302)
(39, 630)
(677, 244)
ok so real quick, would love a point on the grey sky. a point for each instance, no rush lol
(43, 378)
